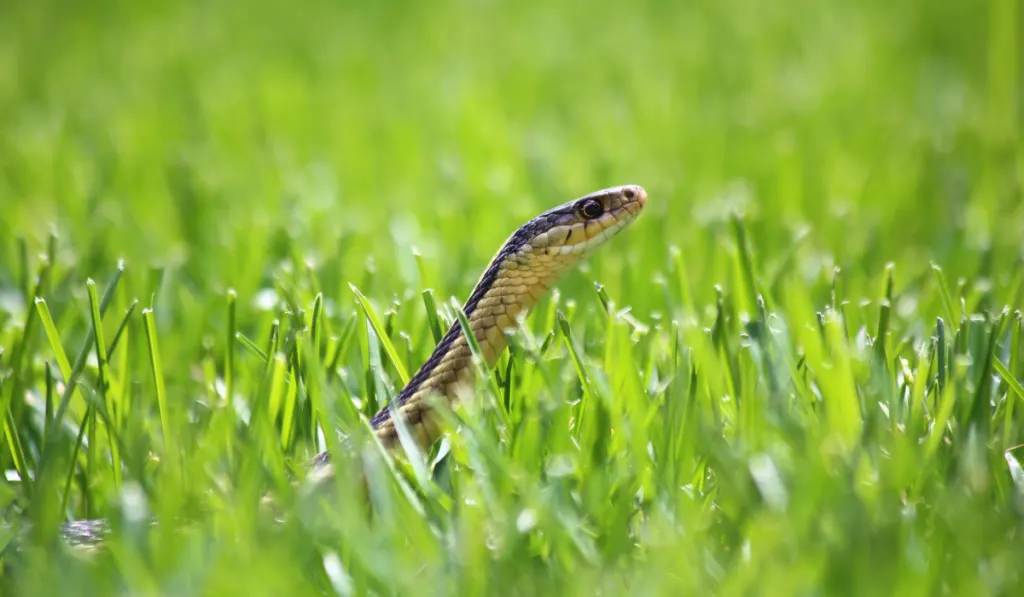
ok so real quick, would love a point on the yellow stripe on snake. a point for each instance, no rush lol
(529, 263)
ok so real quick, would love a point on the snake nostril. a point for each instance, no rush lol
(630, 194)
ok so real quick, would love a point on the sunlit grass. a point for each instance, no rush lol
(229, 234)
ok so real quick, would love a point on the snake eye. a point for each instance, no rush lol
(592, 208)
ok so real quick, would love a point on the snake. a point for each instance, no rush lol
(528, 264)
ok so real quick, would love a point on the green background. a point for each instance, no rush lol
(856, 165)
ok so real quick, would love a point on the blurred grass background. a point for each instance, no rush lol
(280, 151)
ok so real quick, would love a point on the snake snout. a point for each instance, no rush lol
(641, 195)
(630, 200)
(635, 193)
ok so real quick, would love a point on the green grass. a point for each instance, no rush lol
(229, 229)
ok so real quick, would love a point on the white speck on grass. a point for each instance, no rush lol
(560, 465)
(526, 520)
(265, 300)
(766, 476)
(340, 579)
(862, 340)
(1016, 473)
(906, 306)
(220, 387)
(13, 303)
(241, 408)
(133, 500)
(735, 198)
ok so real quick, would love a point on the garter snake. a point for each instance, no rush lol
(526, 266)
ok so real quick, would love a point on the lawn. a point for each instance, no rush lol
(230, 230)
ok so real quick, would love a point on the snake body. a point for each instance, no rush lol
(528, 264)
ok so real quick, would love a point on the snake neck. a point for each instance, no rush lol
(508, 289)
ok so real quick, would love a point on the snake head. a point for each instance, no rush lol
(582, 225)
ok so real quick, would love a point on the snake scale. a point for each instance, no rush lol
(528, 264)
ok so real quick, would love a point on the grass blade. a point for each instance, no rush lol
(103, 387)
(378, 328)
(433, 320)
(229, 346)
(156, 366)
(54, 337)
(246, 342)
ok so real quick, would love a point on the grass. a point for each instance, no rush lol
(229, 230)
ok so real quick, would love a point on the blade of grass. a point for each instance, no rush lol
(229, 347)
(1008, 377)
(433, 320)
(24, 271)
(317, 325)
(884, 314)
(103, 373)
(746, 264)
(246, 342)
(378, 327)
(941, 352)
(947, 299)
(122, 326)
(156, 366)
(50, 328)
(70, 476)
(275, 396)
